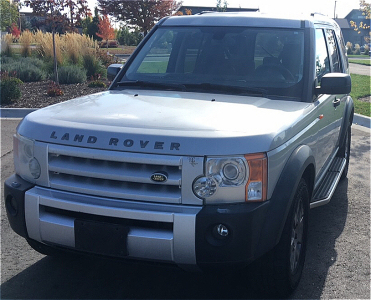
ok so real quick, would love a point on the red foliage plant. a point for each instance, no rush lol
(54, 90)
(15, 31)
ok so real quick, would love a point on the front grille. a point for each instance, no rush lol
(114, 174)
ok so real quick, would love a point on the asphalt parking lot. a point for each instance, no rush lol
(337, 265)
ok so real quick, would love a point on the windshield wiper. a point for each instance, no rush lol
(157, 85)
(229, 88)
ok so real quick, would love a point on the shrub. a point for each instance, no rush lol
(33, 61)
(97, 83)
(44, 43)
(9, 88)
(367, 50)
(71, 74)
(72, 47)
(111, 44)
(6, 41)
(7, 60)
(349, 48)
(25, 71)
(357, 49)
(106, 60)
(54, 90)
(93, 66)
(31, 73)
(26, 38)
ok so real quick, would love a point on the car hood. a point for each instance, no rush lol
(165, 122)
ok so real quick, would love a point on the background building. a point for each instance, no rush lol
(350, 35)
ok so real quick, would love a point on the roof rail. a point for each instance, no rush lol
(206, 12)
(316, 13)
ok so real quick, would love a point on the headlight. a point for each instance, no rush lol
(233, 179)
(26, 165)
(228, 172)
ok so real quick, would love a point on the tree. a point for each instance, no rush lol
(128, 36)
(77, 9)
(188, 12)
(219, 6)
(9, 14)
(361, 26)
(142, 13)
(106, 31)
(90, 25)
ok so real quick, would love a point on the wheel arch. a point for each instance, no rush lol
(301, 164)
(347, 119)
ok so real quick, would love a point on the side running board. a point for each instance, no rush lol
(326, 189)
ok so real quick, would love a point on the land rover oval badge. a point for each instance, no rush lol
(159, 177)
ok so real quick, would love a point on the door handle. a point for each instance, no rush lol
(336, 102)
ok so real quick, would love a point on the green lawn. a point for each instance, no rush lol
(361, 88)
(153, 67)
(358, 56)
(121, 50)
(360, 62)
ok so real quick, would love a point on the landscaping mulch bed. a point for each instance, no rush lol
(365, 99)
(34, 94)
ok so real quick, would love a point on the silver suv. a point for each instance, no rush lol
(208, 150)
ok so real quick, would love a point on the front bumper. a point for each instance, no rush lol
(179, 234)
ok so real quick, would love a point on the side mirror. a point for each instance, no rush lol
(335, 83)
(113, 70)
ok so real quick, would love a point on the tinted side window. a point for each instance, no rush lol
(333, 50)
(322, 60)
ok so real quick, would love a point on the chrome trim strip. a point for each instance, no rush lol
(129, 157)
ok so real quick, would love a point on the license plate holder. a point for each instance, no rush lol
(101, 238)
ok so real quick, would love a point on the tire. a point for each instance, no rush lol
(277, 274)
(344, 151)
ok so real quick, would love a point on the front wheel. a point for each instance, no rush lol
(277, 274)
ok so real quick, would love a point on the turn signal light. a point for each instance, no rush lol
(256, 187)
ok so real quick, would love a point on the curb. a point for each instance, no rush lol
(22, 112)
(362, 120)
(15, 112)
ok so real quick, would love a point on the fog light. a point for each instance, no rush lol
(222, 230)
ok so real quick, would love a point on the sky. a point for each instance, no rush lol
(326, 7)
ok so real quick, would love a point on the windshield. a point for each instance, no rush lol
(226, 59)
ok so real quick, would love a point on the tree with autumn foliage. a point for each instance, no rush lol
(105, 29)
(359, 27)
(188, 12)
(141, 13)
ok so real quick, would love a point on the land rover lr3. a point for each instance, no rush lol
(209, 148)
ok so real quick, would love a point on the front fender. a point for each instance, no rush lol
(299, 163)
